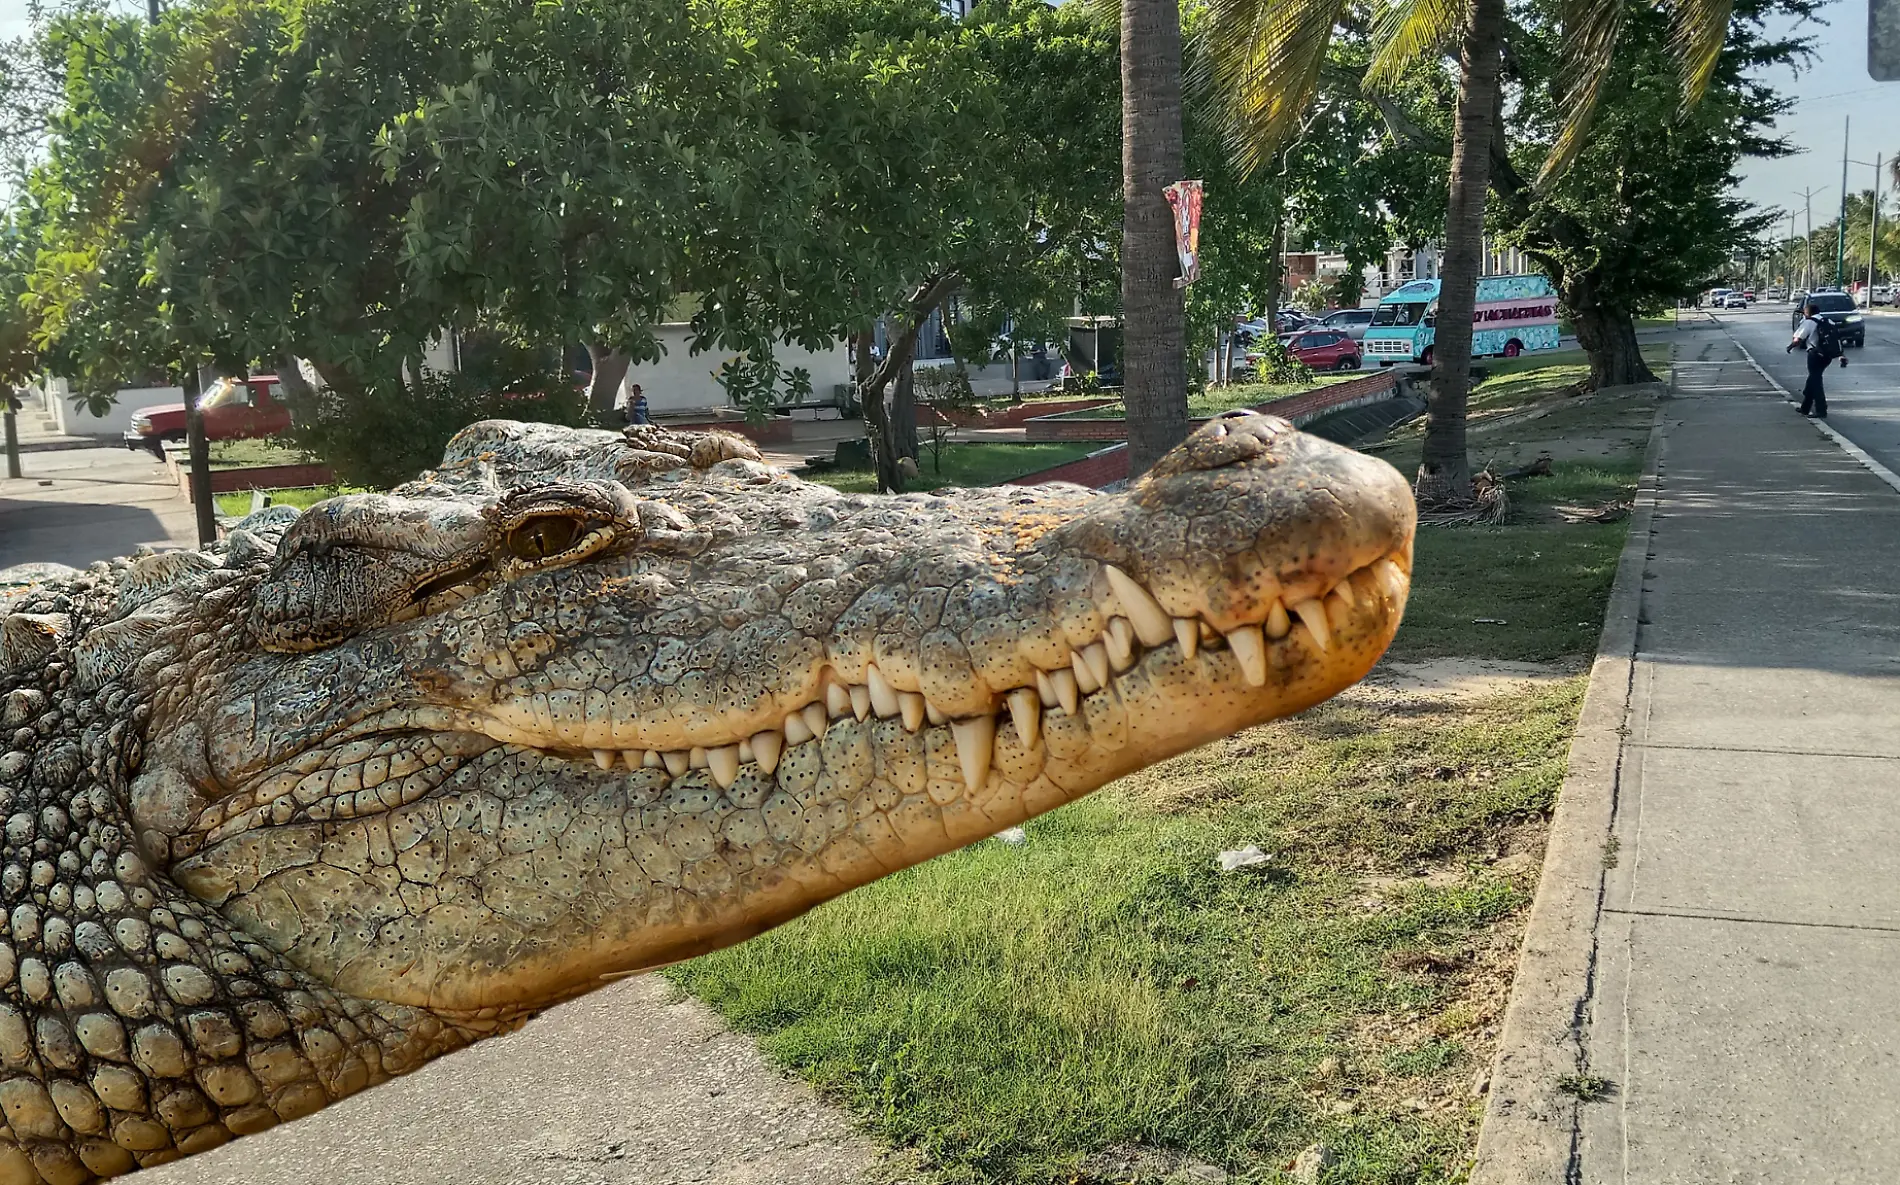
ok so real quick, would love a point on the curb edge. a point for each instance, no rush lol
(1531, 1132)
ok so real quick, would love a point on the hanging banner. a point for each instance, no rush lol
(1184, 198)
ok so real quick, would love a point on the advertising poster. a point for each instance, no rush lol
(1184, 198)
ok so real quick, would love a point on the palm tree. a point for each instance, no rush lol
(1264, 59)
(1154, 320)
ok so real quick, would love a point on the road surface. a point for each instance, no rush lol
(1863, 399)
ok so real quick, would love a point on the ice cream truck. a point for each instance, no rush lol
(1515, 315)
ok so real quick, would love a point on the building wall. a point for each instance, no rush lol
(79, 422)
(682, 381)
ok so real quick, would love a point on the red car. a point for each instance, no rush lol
(234, 409)
(1324, 349)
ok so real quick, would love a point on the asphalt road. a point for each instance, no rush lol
(1863, 399)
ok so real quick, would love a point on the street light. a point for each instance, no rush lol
(1873, 230)
(1807, 244)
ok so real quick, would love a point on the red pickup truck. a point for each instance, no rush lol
(234, 409)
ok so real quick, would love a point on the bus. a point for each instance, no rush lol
(1515, 315)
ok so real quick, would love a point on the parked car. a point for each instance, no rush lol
(1839, 308)
(1882, 294)
(1798, 298)
(1324, 349)
(1734, 300)
(1287, 321)
(233, 409)
(1351, 322)
(1748, 294)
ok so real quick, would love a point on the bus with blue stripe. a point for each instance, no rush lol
(1514, 315)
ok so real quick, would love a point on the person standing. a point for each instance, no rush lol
(1822, 341)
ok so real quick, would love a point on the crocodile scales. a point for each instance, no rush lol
(356, 787)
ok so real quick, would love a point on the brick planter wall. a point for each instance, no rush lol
(1299, 409)
(777, 430)
(1009, 417)
(257, 477)
(1095, 470)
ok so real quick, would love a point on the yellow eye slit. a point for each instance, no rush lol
(543, 537)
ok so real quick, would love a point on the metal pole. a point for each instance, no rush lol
(198, 449)
(1840, 233)
(1873, 232)
(13, 434)
(1807, 244)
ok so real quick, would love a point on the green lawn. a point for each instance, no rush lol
(1007, 1011)
(255, 452)
(969, 465)
(238, 503)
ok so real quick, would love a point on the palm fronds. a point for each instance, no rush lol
(1263, 60)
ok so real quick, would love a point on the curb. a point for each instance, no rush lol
(1822, 426)
(1531, 1131)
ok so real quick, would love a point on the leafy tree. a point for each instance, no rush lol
(1266, 58)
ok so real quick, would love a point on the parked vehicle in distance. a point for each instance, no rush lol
(1882, 294)
(1734, 300)
(1352, 322)
(233, 409)
(1716, 298)
(1325, 349)
(1748, 295)
(1514, 315)
(1798, 298)
(1839, 308)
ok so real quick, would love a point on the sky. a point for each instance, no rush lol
(1833, 86)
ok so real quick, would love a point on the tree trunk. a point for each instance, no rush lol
(895, 431)
(13, 432)
(1608, 336)
(1444, 472)
(1154, 323)
(904, 414)
(198, 452)
(610, 368)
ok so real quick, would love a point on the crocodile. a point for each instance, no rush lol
(356, 787)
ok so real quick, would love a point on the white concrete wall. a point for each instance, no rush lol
(681, 381)
(79, 422)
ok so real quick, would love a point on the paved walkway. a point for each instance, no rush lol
(1731, 971)
(79, 505)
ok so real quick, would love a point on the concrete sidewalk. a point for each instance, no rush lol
(77, 506)
(1711, 977)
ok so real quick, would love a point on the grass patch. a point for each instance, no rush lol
(237, 503)
(1212, 401)
(1546, 580)
(969, 465)
(1009, 1010)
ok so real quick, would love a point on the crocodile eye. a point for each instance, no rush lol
(543, 537)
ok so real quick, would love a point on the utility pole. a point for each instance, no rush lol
(1840, 231)
(1807, 251)
(1873, 233)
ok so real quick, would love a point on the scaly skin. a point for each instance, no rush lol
(359, 787)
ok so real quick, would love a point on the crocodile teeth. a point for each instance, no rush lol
(1250, 650)
(1096, 655)
(837, 699)
(1277, 622)
(976, 744)
(745, 751)
(1119, 638)
(1026, 710)
(766, 746)
(1313, 615)
(860, 700)
(934, 714)
(1066, 692)
(675, 762)
(795, 731)
(1080, 673)
(1389, 577)
(1343, 590)
(883, 695)
(724, 764)
(652, 760)
(1046, 689)
(604, 758)
(633, 758)
(1150, 621)
(912, 706)
(815, 720)
(696, 757)
(1187, 635)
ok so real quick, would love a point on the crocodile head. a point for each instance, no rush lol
(407, 767)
